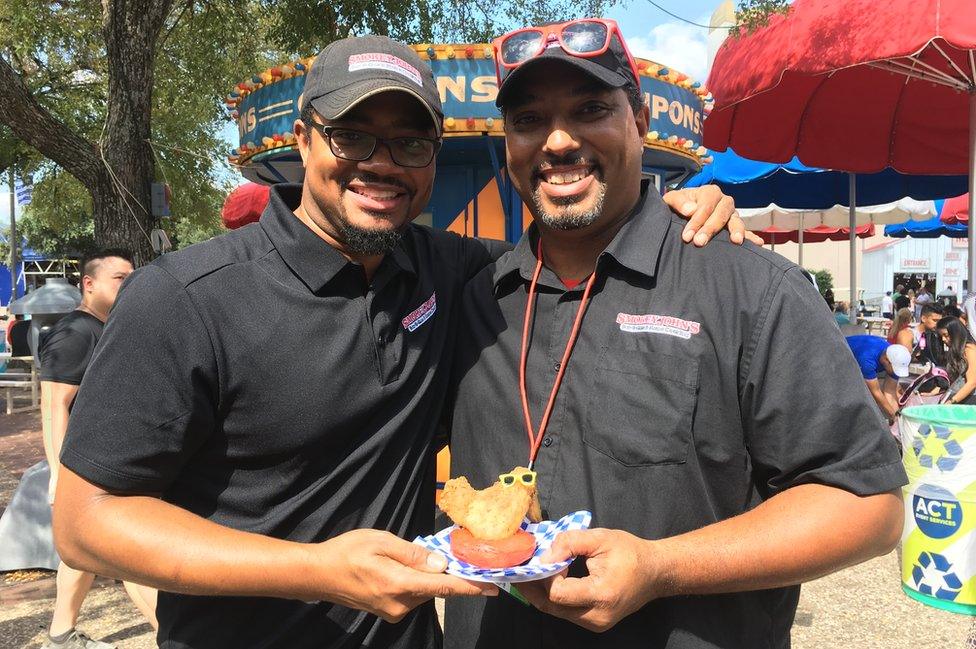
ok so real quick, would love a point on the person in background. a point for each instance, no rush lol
(960, 360)
(924, 297)
(947, 297)
(953, 311)
(828, 297)
(65, 352)
(911, 302)
(840, 313)
(900, 332)
(887, 306)
(880, 363)
(928, 346)
(901, 300)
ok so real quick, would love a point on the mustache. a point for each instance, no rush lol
(366, 177)
(563, 161)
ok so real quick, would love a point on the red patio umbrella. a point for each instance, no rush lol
(854, 85)
(244, 205)
(956, 210)
(818, 234)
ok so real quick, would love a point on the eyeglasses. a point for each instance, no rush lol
(526, 477)
(350, 144)
(585, 38)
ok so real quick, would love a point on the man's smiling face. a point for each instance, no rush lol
(364, 205)
(573, 146)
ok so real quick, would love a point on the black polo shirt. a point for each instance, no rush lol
(703, 382)
(258, 381)
(67, 347)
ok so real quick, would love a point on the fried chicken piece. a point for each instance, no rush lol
(493, 513)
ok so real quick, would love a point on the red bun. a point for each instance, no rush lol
(504, 553)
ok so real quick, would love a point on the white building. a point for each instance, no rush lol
(940, 263)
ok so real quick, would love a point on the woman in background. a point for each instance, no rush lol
(900, 332)
(960, 360)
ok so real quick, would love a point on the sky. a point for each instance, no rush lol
(649, 32)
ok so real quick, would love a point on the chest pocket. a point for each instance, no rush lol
(642, 406)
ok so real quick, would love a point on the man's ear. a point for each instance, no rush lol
(302, 136)
(643, 120)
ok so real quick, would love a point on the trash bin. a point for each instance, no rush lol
(46, 305)
(939, 540)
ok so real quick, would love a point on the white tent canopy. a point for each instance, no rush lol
(838, 216)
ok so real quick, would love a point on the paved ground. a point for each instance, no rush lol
(859, 608)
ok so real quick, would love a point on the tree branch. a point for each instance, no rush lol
(36, 126)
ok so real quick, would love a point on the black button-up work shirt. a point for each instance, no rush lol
(703, 382)
(259, 381)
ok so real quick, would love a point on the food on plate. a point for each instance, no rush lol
(489, 520)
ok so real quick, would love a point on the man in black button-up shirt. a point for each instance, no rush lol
(256, 430)
(710, 415)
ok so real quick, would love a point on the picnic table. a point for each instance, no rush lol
(877, 326)
(12, 380)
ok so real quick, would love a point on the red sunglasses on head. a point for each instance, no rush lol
(584, 38)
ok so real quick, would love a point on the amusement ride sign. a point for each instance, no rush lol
(266, 106)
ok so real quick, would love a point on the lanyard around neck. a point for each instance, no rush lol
(535, 439)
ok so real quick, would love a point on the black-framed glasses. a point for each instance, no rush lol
(350, 144)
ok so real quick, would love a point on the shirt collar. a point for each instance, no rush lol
(308, 256)
(636, 246)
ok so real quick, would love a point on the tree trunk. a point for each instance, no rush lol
(124, 217)
(119, 170)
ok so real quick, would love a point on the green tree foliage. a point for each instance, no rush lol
(59, 51)
(824, 280)
(753, 14)
(306, 26)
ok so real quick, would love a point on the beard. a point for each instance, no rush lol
(365, 241)
(572, 216)
(357, 239)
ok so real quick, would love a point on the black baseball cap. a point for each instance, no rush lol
(353, 69)
(611, 68)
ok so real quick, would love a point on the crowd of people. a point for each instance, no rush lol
(930, 332)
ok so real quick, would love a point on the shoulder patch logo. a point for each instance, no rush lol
(658, 324)
(421, 314)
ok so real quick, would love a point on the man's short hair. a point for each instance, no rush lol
(952, 311)
(932, 308)
(90, 262)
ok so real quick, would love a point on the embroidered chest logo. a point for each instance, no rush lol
(658, 324)
(421, 314)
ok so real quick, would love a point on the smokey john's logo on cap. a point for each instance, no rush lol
(421, 314)
(388, 62)
(658, 324)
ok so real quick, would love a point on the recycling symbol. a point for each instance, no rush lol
(932, 575)
(934, 447)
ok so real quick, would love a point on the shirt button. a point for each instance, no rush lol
(547, 441)
(556, 366)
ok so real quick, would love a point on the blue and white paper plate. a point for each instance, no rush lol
(545, 533)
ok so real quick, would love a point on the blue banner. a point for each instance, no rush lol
(674, 110)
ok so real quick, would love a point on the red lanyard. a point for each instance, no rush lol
(535, 439)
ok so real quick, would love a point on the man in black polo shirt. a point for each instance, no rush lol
(723, 459)
(263, 404)
(65, 352)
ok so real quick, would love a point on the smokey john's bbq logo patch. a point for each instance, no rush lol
(388, 62)
(658, 324)
(421, 314)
